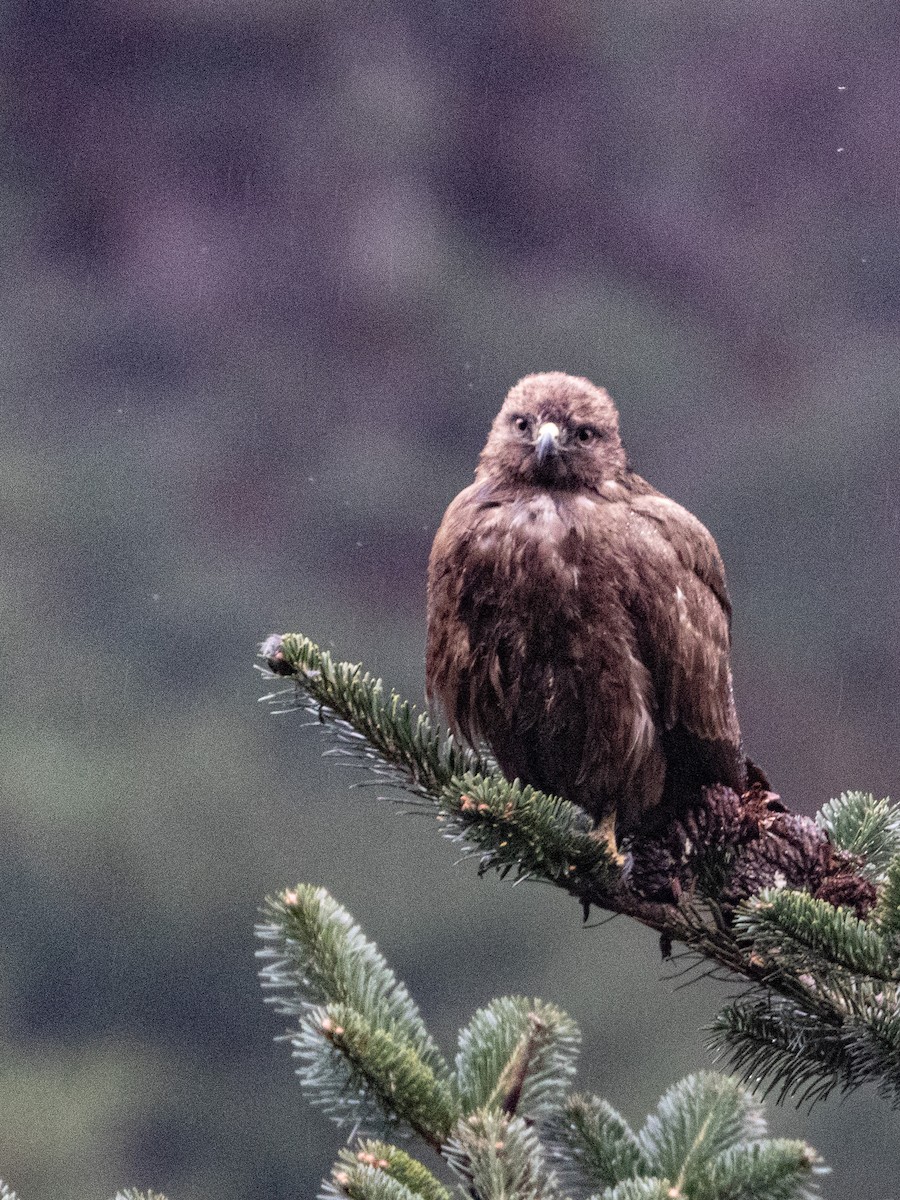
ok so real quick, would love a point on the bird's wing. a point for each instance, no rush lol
(450, 653)
(682, 620)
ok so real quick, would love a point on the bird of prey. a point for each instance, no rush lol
(578, 619)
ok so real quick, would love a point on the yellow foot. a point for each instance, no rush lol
(605, 833)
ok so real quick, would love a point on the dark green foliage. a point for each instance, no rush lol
(516, 1056)
(519, 829)
(365, 1054)
(773, 1041)
(601, 1142)
(841, 1030)
(374, 1168)
(503, 1122)
(857, 822)
(816, 937)
(820, 1011)
(887, 913)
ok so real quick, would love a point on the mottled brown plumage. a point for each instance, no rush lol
(578, 620)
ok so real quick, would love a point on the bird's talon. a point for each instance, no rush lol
(605, 834)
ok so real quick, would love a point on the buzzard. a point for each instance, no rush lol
(578, 619)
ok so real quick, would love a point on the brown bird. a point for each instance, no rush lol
(578, 619)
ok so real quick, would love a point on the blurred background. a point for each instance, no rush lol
(268, 272)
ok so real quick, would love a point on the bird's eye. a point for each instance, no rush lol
(585, 434)
(521, 423)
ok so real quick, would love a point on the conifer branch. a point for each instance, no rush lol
(365, 1075)
(360, 1171)
(600, 1141)
(778, 1170)
(788, 1052)
(796, 928)
(695, 1121)
(516, 1056)
(362, 1182)
(315, 954)
(887, 911)
(387, 733)
(510, 1130)
(364, 1052)
(498, 1157)
(832, 970)
(642, 1189)
(860, 824)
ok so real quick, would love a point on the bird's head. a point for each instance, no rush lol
(557, 431)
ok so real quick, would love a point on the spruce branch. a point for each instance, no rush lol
(862, 825)
(516, 1056)
(505, 1125)
(598, 1139)
(498, 1157)
(361, 1182)
(887, 911)
(708, 1137)
(847, 1033)
(360, 1167)
(646, 1188)
(134, 1194)
(316, 954)
(780, 1169)
(695, 1121)
(509, 827)
(824, 966)
(363, 1075)
(813, 935)
(364, 1052)
(385, 731)
(784, 1049)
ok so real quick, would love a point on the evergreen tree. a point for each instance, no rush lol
(818, 948)
(501, 1116)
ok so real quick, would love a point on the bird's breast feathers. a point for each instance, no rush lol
(526, 595)
(538, 540)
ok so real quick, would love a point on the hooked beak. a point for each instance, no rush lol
(546, 443)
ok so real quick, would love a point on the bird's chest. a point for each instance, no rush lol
(540, 565)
